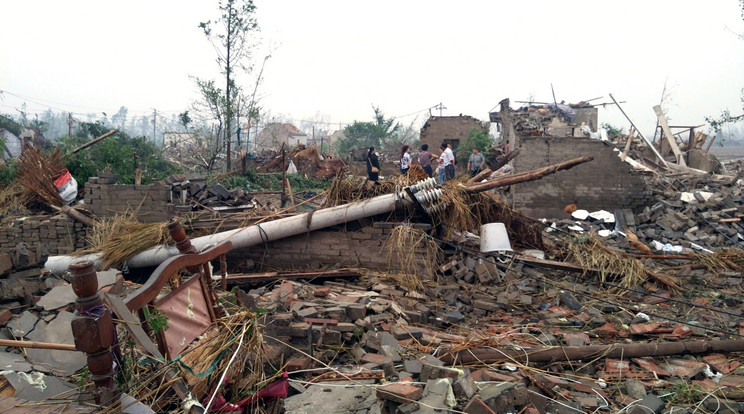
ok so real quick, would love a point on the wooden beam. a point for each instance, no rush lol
(627, 143)
(710, 143)
(37, 345)
(88, 144)
(526, 176)
(648, 143)
(668, 134)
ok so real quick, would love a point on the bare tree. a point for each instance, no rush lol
(229, 35)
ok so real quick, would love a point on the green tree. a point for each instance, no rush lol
(381, 133)
(477, 138)
(229, 35)
(120, 154)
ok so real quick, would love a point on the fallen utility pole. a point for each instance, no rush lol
(574, 353)
(298, 224)
(95, 141)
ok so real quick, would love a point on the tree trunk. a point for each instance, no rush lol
(526, 176)
(228, 103)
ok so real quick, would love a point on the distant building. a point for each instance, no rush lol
(336, 136)
(13, 144)
(450, 130)
(274, 135)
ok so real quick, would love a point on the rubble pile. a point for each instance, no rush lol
(380, 338)
(190, 192)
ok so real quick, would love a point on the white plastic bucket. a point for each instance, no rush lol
(494, 238)
(67, 187)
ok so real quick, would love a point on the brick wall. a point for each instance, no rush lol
(57, 234)
(443, 128)
(605, 183)
(362, 248)
(150, 201)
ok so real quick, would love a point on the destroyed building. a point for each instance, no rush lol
(276, 134)
(546, 135)
(389, 298)
(450, 130)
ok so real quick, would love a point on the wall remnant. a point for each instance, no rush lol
(449, 129)
(151, 203)
(607, 183)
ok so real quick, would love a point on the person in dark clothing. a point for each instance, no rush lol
(425, 158)
(373, 166)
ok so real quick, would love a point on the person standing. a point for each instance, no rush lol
(373, 166)
(405, 159)
(425, 158)
(447, 163)
(476, 161)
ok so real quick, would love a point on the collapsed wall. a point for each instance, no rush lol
(55, 235)
(607, 183)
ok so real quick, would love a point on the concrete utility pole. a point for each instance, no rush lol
(69, 124)
(440, 106)
(154, 124)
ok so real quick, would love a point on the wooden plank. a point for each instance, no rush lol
(627, 143)
(710, 143)
(668, 135)
(236, 279)
(132, 324)
(648, 143)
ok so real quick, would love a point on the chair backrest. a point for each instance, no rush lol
(190, 307)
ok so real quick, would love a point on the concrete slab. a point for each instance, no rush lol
(331, 399)
(58, 297)
(14, 362)
(21, 327)
(36, 386)
(58, 331)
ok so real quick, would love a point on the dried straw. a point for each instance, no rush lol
(593, 255)
(122, 236)
(247, 371)
(13, 200)
(37, 172)
(415, 254)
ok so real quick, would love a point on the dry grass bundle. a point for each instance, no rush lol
(724, 260)
(201, 365)
(415, 254)
(349, 189)
(13, 200)
(593, 255)
(37, 172)
(467, 212)
(246, 373)
(122, 236)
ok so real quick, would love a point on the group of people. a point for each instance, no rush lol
(446, 161)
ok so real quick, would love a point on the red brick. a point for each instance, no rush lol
(476, 406)
(5, 316)
(615, 365)
(376, 359)
(322, 292)
(298, 363)
(400, 393)
(649, 365)
(6, 264)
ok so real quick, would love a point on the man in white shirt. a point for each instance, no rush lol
(447, 162)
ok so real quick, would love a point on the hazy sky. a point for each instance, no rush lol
(341, 57)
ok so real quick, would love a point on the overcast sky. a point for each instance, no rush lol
(339, 58)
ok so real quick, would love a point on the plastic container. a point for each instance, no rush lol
(67, 187)
(494, 238)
